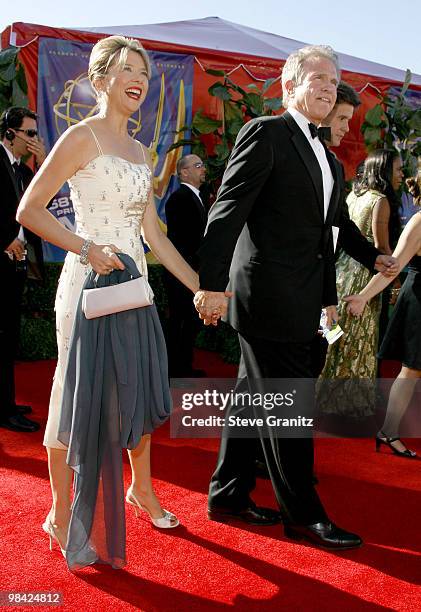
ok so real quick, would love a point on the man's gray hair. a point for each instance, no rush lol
(293, 68)
(182, 163)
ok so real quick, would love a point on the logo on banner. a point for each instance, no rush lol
(65, 97)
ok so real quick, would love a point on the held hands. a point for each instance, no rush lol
(211, 305)
(356, 304)
(387, 265)
(103, 259)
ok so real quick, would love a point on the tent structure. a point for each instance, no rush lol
(219, 35)
(247, 54)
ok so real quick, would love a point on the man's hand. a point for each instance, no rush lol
(331, 316)
(387, 265)
(211, 305)
(37, 148)
(16, 249)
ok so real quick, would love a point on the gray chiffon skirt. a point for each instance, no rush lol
(115, 390)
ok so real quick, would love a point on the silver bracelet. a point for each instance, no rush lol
(83, 256)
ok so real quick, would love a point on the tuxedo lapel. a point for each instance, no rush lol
(197, 202)
(307, 155)
(334, 198)
(5, 160)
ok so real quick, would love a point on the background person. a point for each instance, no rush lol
(186, 222)
(19, 138)
(402, 340)
(353, 356)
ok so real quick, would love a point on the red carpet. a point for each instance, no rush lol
(207, 566)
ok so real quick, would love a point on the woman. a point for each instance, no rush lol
(403, 336)
(353, 356)
(111, 181)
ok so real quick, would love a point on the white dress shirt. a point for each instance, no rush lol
(320, 154)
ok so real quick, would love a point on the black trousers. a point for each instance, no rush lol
(10, 310)
(183, 326)
(289, 460)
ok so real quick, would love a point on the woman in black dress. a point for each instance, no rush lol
(402, 340)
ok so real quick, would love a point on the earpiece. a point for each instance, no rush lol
(10, 135)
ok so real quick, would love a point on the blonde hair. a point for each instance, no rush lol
(113, 51)
(293, 68)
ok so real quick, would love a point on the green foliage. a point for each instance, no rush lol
(222, 339)
(239, 105)
(38, 327)
(394, 123)
(13, 86)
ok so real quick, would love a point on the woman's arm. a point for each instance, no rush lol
(162, 248)
(71, 152)
(380, 226)
(409, 244)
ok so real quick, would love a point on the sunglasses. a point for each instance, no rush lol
(196, 165)
(30, 133)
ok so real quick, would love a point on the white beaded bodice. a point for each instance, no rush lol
(109, 198)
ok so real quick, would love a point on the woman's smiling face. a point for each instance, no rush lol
(126, 87)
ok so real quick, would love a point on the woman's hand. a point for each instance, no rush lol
(103, 259)
(356, 304)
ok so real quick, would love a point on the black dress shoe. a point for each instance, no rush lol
(325, 535)
(18, 422)
(251, 515)
(23, 409)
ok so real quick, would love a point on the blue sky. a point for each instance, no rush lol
(385, 31)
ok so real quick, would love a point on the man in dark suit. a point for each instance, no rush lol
(19, 137)
(346, 233)
(186, 221)
(270, 235)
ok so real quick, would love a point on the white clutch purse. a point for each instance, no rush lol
(101, 301)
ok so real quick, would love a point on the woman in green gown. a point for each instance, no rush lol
(351, 365)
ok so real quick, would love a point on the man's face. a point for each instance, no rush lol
(315, 96)
(338, 121)
(194, 172)
(18, 145)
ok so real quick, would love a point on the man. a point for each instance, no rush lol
(186, 223)
(19, 137)
(348, 235)
(270, 235)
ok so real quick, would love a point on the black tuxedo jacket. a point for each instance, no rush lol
(267, 236)
(9, 201)
(186, 223)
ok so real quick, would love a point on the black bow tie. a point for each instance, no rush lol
(323, 133)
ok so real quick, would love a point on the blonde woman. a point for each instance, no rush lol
(110, 177)
(402, 341)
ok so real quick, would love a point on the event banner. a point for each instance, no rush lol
(65, 97)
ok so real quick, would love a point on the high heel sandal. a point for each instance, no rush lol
(164, 522)
(382, 439)
(49, 529)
